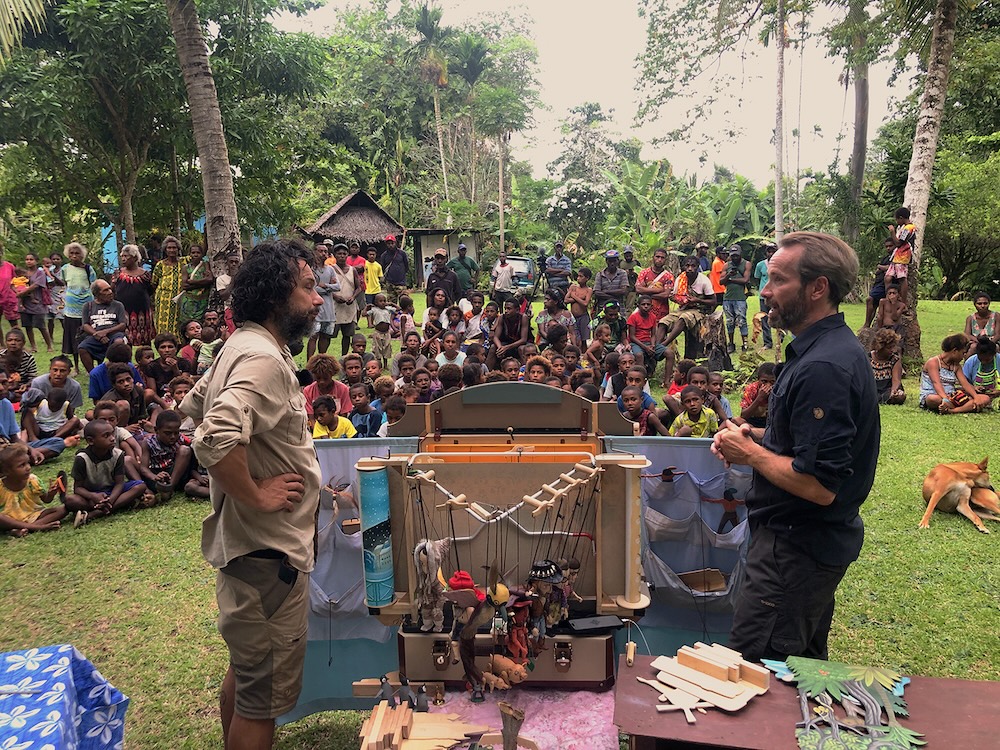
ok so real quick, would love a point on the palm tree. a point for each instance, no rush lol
(779, 125)
(16, 16)
(221, 221)
(430, 56)
(917, 193)
(472, 57)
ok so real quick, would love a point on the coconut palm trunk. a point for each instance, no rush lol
(221, 222)
(859, 152)
(918, 182)
(779, 125)
(440, 136)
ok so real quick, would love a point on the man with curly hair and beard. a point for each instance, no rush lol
(253, 439)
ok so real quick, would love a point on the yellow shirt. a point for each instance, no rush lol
(23, 505)
(373, 277)
(343, 429)
(706, 426)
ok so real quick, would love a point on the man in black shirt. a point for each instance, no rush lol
(813, 465)
(442, 277)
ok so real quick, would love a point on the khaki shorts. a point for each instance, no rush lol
(263, 617)
(692, 319)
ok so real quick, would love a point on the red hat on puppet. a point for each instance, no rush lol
(462, 580)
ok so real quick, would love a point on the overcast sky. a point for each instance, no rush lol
(587, 51)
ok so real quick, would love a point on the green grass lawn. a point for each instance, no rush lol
(135, 596)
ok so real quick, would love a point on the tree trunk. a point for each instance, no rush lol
(221, 223)
(175, 178)
(472, 159)
(779, 125)
(918, 181)
(859, 153)
(440, 137)
(500, 144)
(127, 211)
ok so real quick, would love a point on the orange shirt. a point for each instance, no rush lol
(715, 274)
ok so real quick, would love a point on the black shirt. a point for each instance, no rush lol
(445, 279)
(823, 412)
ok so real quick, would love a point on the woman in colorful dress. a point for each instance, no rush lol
(133, 287)
(166, 286)
(197, 281)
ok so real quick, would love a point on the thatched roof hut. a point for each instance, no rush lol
(356, 217)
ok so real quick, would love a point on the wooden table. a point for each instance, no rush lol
(950, 713)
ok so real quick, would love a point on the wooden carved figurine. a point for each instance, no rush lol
(482, 614)
(517, 633)
(571, 571)
(427, 557)
(543, 575)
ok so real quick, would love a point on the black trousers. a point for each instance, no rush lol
(785, 607)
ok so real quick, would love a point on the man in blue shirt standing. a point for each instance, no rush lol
(760, 274)
(558, 269)
(814, 463)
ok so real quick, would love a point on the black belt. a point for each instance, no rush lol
(267, 554)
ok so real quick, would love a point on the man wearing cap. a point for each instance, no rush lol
(395, 267)
(611, 282)
(330, 260)
(442, 277)
(701, 252)
(559, 269)
(629, 264)
(465, 268)
(735, 277)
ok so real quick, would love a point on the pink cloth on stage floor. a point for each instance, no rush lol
(554, 719)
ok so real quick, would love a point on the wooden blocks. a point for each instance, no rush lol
(455, 501)
(399, 728)
(386, 728)
(713, 674)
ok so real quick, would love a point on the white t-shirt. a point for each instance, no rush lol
(442, 360)
(503, 277)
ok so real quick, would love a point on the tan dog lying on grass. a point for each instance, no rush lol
(955, 487)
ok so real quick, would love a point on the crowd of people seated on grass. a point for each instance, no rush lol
(145, 337)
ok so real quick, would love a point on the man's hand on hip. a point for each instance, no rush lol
(280, 493)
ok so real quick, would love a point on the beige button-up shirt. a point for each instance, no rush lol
(251, 397)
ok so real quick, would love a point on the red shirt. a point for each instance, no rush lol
(357, 261)
(644, 326)
(662, 281)
(341, 394)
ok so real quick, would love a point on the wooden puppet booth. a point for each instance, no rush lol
(509, 537)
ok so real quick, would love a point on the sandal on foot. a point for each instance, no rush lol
(80, 519)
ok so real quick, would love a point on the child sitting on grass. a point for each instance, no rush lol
(129, 395)
(124, 440)
(99, 484)
(395, 409)
(696, 420)
(210, 345)
(634, 409)
(165, 463)
(365, 419)
(51, 417)
(329, 424)
(679, 379)
(22, 499)
(753, 405)
(716, 384)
